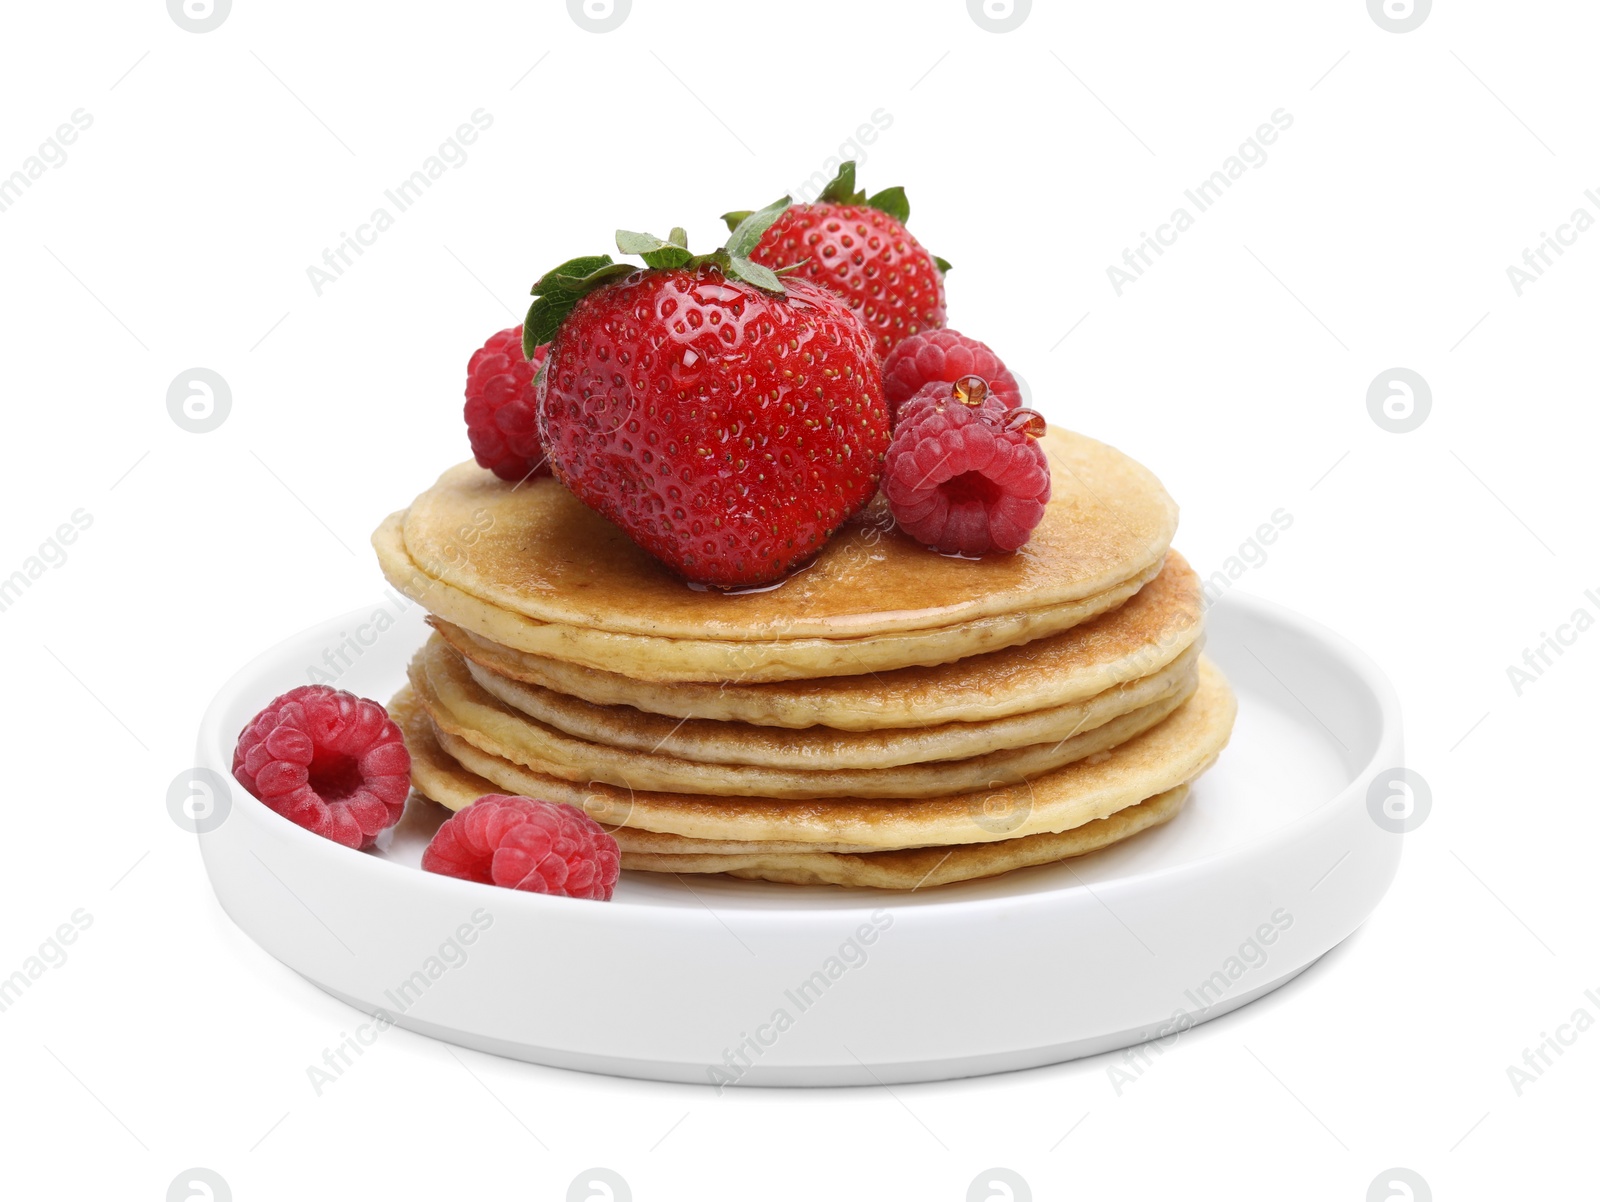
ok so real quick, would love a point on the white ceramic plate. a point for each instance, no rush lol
(1276, 858)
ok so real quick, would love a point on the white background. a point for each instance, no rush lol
(220, 165)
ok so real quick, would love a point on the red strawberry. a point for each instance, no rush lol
(727, 420)
(859, 247)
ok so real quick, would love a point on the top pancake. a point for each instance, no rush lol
(536, 551)
(665, 659)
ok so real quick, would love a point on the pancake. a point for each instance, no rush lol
(535, 550)
(460, 707)
(821, 748)
(1167, 755)
(444, 781)
(921, 867)
(774, 656)
(438, 778)
(1155, 627)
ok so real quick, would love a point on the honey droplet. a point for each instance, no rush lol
(970, 390)
(1027, 421)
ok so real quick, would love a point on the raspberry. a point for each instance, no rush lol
(944, 356)
(519, 843)
(933, 396)
(963, 473)
(502, 408)
(328, 761)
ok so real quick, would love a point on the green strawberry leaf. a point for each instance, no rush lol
(667, 257)
(572, 269)
(755, 274)
(630, 243)
(559, 290)
(841, 190)
(544, 318)
(742, 243)
(893, 202)
(942, 264)
(605, 275)
(656, 253)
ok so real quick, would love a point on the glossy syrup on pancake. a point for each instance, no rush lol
(651, 657)
(535, 550)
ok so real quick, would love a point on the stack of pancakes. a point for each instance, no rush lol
(884, 717)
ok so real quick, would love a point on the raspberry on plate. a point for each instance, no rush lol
(964, 474)
(944, 356)
(502, 410)
(520, 843)
(329, 761)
